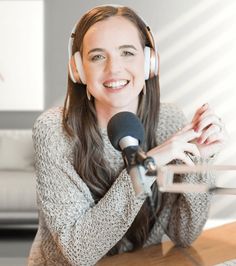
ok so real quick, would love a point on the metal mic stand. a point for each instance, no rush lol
(142, 170)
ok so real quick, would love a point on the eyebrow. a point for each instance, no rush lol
(125, 46)
(95, 50)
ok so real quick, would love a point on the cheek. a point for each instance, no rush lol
(90, 74)
(138, 70)
(140, 66)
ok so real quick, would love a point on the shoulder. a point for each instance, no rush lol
(171, 120)
(172, 112)
(49, 120)
(48, 128)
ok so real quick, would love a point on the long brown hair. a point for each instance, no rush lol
(80, 122)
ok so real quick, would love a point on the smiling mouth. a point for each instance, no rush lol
(116, 84)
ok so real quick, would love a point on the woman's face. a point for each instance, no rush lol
(113, 60)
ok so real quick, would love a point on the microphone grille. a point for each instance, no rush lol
(124, 124)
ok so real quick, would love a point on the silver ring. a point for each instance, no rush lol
(220, 125)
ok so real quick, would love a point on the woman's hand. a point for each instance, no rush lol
(177, 147)
(212, 131)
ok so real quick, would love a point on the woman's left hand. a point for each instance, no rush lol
(213, 133)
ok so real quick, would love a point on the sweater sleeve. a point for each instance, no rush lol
(83, 231)
(183, 216)
(188, 213)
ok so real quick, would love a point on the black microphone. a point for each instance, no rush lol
(126, 134)
(124, 124)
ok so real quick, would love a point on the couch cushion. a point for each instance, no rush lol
(17, 191)
(16, 150)
(18, 218)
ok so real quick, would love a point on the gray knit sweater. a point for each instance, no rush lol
(73, 230)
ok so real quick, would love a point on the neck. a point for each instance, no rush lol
(105, 114)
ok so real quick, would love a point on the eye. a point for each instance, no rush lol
(97, 57)
(127, 53)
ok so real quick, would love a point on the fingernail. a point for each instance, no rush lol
(199, 141)
(205, 105)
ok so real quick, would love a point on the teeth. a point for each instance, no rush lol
(116, 84)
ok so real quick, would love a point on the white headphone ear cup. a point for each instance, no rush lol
(151, 63)
(71, 72)
(147, 54)
(79, 67)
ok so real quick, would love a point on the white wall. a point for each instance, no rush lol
(198, 63)
(22, 54)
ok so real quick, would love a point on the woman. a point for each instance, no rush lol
(87, 205)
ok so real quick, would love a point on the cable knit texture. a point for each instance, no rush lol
(73, 230)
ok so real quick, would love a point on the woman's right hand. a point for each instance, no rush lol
(177, 147)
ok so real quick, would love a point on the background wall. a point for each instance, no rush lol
(197, 45)
(17, 76)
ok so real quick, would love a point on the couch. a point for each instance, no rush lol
(17, 179)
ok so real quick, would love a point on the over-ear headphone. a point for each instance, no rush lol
(75, 65)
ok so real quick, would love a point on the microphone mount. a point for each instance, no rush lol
(134, 156)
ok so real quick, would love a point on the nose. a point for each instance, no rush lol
(113, 64)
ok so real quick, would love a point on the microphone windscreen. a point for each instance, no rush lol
(124, 124)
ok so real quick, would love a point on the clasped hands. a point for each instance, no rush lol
(204, 137)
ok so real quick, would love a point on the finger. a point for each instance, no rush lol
(208, 112)
(189, 135)
(201, 110)
(211, 130)
(217, 137)
(207, 121)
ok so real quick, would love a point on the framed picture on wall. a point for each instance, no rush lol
(22, 55)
